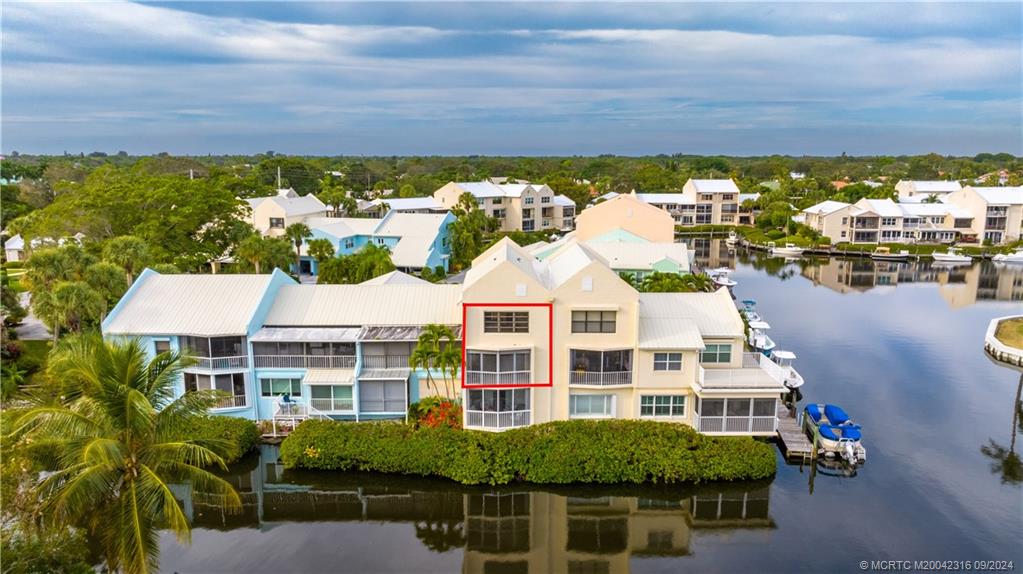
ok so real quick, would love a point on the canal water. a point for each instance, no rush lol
(898, 345)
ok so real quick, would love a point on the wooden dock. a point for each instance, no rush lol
(791, 437)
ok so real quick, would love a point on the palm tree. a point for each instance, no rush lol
(429, 355)
(70, 305)
(252, 249)
(321, 249)
(128, 252)
(117, 445)
(297, 233)
(1005, 461)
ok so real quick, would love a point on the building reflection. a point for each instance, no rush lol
(595, 530)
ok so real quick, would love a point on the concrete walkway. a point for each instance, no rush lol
(31, 328)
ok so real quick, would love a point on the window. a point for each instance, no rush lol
(845, 220)
(706, 197)
(382, 396)
(499, 213)
(527, 213)
(545, 199)
(380, 240)
(349, 244)
(214, 347)
(278, 387)
(194, 382)
(662, 406)
(712, 407)
(497, 368)
(843, 235)
(764, 407)
(888, 221)
(277, 223)
(528, 225)
(591, 405)
(727, 219)
(505, 321)
(480, 201)
(498, 400)
(161, 346)
(496, 201)
(528, 200)
(667, 361)
(716, 354)
(593, 321)
(728, 197)
(331, 397)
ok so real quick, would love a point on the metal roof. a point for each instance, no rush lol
(622, 255)
(399, 333)
(715, 186)
(329, 376)
(358, 305)
(316, 334)
(1001, 195)
(396, 278)
(384, 374)
(714, 314)
(201, 305)
(669, 333)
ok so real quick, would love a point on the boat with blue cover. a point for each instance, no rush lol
(834, 432)
(749, 309)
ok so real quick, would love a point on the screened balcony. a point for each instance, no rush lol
(216, 353)
(298, 355)
(497, 368)
(736, 415)
(600, 368)
(497, 409)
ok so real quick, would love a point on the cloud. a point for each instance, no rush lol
(407, 80)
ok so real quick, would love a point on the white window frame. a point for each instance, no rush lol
(676, 408)
(295, 382)
(717, 353)
(609, 405)
(667, 362)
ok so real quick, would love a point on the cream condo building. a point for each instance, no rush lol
(997, 212)
(885, 221)
(911, 191)
(702, 202)
(517, 206)
(546, 340)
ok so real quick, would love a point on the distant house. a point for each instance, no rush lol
(702, 202)
(271, 215)
(917, 191)
(629, 213)
(379, 207)
(14, 248)
(517, 206)
(997, 211)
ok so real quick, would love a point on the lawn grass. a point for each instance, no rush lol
(1010, 332)
(34, 356)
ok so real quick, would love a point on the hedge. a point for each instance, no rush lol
(563, 452)
(232, 437)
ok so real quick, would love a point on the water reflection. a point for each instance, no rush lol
(959, 285)
(514, 530)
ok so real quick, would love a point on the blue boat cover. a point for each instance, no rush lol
(814, 413)
(851, 432)
(827, 432)
(749, 302)
(836, 416)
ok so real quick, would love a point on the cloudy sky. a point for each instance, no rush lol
(512, 78)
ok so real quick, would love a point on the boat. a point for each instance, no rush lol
(749, 309)
(885, 254)
(834, 432)
(720, 277)
(953, 255)
(733, 238)
(1016, 257)
(784, 359)
(758, 338)
(790, 249)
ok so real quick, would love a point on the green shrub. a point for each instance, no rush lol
(775, 234)
(231, 437)
(14, 265)
(562, 452)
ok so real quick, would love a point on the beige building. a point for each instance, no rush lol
(702, 202)
(917, 191)
(885, 221)
(627, 212)
(517, 206)
(271, 215)
(997, 212)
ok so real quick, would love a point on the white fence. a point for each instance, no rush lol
(496, 421)
(601, 379)
(749, 425)
(304, 361)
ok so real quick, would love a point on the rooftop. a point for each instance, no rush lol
(1001, 195)
(352, 305)
(714, 314)
(715, 185)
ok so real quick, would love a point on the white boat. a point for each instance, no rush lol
(885, 254)
(758, 338)
(784, 359)
(953, 255)
(834, 432)
(790, 249)
(720, 277)
(749, 309)
(733, 238)
(1016, 257)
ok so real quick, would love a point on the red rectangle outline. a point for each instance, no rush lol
(550, 343)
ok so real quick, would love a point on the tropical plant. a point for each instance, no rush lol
(12, 377)
(321, 249)
(658, 282)
(466, 232)
(252, 249)
(297, 233)
(116, 443)
(128, 252)
(369, 262)
(70, 305)
(436, 351)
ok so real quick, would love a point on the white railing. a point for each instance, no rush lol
(332, 405)
(503, 378)
(230, 402)
(497, 421)
(998, 349)
(385, 362)
(600, 378)
(304, 361)
(753, 425)
(217, 363)
(757, 369)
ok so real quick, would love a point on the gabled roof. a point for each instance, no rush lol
(200, 305)
(826, 207)
(563, 201)
(715, 186)
(395, 278)
(566, 262)
(505, 250)
(1001, 195)
(882, 207)
(622, 255)
(407, 203)
(669, 333)
(489, 189)
(366, 305)
(714, 314)
(417, 233)
(341, 227)
(934, 186)
(292, 206)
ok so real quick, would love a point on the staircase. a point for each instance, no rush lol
(288, 415)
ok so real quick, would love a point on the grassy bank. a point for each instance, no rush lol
(563, 452)
(1010, 332)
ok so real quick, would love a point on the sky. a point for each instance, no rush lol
(512, 78)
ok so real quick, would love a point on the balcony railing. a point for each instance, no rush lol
(497, 421)
(219, 363)
(869, 224)
(230, 402)
(304, 361)
(600, 378)
(757, 371)
(332, 405)
(385, 361)
(722, 424)
(503, 378)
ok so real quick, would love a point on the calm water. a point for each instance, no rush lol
(898, 345)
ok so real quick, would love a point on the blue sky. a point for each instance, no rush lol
(512, 78)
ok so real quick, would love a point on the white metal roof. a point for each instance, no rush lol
(342, 227)
(715, 186)
(14, 242)
(504, 250)
(663, 198)
(314, 334)
(714, 313)
(201, 305)
(882, 207)
(329, 376)
(640, 256)
(933, 209)
(395, 278)
(408, 203)
(563, 200)
(935, 186)
(351, 305)
(292, 206)
(826, 207)
(490, 189)
(669, 333)
(1001, 195)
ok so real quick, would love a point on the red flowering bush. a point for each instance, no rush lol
(436, 412)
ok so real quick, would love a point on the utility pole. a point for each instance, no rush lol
(278, 177)
(190, 174)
